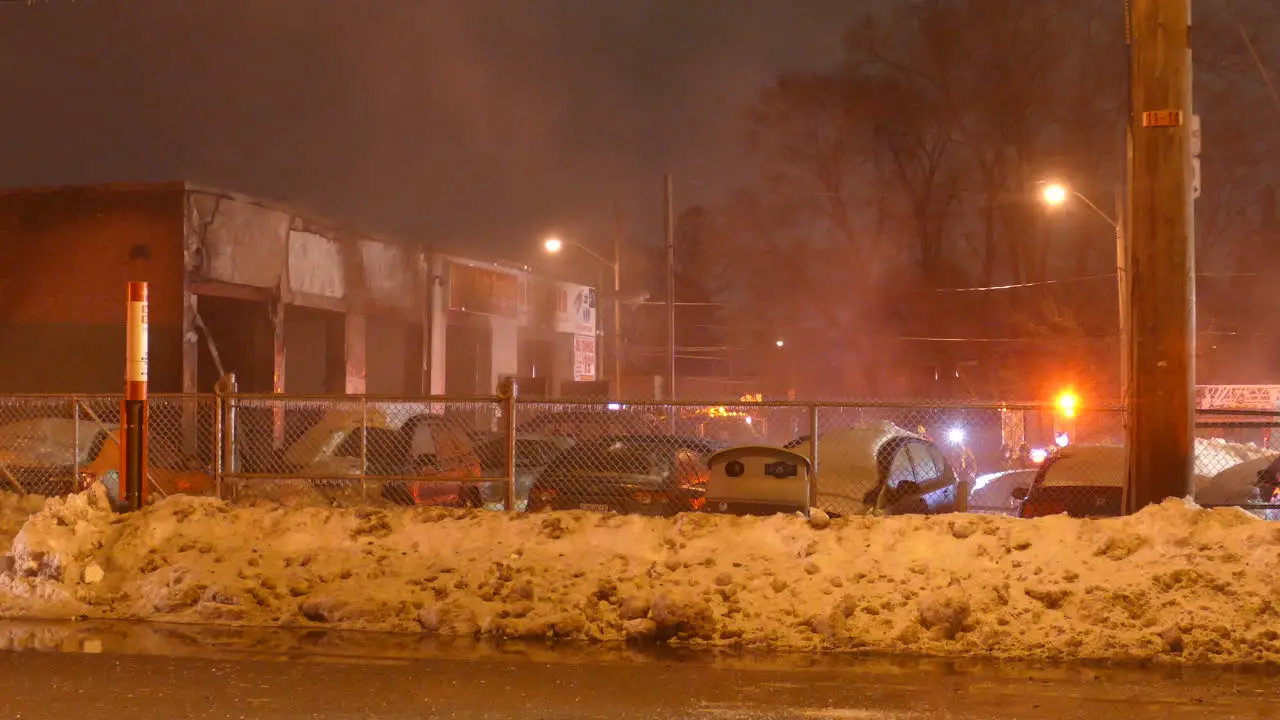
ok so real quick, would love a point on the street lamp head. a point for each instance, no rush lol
(1068, 403)
(780, 343)
(553, 244)
(1054, 194)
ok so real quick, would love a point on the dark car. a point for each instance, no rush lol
(1000, 493)
(637, 474)
(532, 455)
(1081, 481)
(592, 424)
(463, 484)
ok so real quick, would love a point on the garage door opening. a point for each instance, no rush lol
(236, 334)
(468, 360)
(315, 351)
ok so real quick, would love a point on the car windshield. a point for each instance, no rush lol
(529, 451)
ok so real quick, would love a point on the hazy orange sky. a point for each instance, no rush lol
(481, 122)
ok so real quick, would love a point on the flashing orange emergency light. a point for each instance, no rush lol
(1068, 403)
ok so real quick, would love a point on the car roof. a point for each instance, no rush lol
(731, 453)
(857, 445)
(1236, 484)
(588, 412)
(664, 439)
(593, 445)
(1086, 466)
(1213, 455)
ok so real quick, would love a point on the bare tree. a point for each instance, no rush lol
(914, 165)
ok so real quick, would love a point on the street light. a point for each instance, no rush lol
(554, 245)
(1068, 403)
(1056, 194)
(789, 366)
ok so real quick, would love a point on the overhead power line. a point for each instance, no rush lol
(1089, 338)
(1086, 278)
(1257, 60)
(1109, 276)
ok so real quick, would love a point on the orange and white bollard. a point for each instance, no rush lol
(133, 411)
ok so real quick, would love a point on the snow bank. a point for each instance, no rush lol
(14, 511)
(1172, 582)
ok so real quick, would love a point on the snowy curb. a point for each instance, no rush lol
(1173, 582)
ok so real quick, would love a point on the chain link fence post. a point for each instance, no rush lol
(364, 450)
(964, 486)
(508, 392)
(75, 450)
(219, 397)
(230, 449)
(813, 457)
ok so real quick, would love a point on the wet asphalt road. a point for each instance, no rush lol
(274, 681)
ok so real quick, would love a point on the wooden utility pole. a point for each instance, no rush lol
(617, 302)
(669, 233)
(1160, 408)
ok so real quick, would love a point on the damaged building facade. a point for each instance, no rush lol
(287, 301)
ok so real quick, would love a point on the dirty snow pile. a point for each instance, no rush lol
(1174, 581)
(14, 511)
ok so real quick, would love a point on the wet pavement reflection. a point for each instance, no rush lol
(119, 669)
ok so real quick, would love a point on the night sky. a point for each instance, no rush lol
(479, 123)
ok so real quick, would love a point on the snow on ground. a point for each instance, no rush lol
(1172, 582)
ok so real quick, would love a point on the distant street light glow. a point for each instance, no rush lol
(553, 244)
(1054, 194)
(955, 436)
(780, 343)
(1068, 403)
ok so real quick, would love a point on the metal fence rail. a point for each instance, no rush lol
(646, 457)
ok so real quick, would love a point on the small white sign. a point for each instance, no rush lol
(136, 362)
(584, 358)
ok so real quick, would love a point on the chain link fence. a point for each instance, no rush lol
(1237, 460)
(648, 458)
(344, 451)
(53, 445)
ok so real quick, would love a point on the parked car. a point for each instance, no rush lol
(1000, 493)
(591, 424)
(170, 471)
(533, 455)
(1091, 480)
(486, 459)
(442, 450)
(328, 458)
(640, 474)
(41, 456)
(1253, 482)
(879, 467)
(1079, 480)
